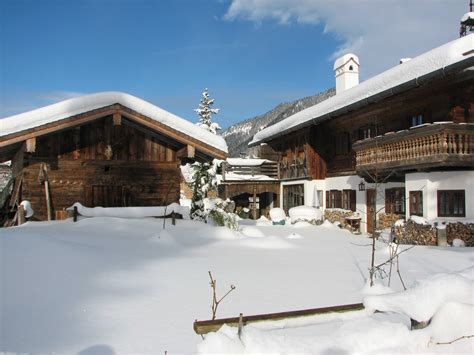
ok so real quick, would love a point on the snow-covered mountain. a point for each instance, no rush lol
(239, 135)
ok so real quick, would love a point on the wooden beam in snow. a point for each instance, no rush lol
(207, 326)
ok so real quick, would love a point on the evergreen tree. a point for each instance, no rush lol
(201, 183)
(205, 112)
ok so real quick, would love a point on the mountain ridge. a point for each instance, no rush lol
(240, 134)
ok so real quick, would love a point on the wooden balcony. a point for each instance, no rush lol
(249, 169)
(419, 148)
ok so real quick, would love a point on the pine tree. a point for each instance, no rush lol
(202, 182)
(205, 112)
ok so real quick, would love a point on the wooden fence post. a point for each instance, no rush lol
(74, 214)
(21, 215)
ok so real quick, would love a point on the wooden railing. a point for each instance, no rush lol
(268, 168)
(446, 143)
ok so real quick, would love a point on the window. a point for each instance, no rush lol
(293, 195)
(416, 203)
(345, 199)
(416, 120)
(451, 203)
(334, 199)
(395, 200)
(367, 132)
(349, 200)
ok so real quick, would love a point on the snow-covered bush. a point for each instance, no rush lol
(244, 213)
(305, 214)
(220, 215)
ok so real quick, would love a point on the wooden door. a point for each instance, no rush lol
(370, 210)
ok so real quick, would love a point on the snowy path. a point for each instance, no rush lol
(121, 286)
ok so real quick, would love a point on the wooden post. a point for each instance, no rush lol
(241, 324)
(254, 210)
(43, 178)
(48, 200)
(74, 214)
(173, 218)
(21, 215)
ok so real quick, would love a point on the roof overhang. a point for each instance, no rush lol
(398, 89)
(10, 142)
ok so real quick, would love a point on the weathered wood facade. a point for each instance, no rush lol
(109, 157)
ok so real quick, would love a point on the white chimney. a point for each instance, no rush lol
(404, 60)
(346, 70)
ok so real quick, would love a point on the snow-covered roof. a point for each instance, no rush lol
(437, 59)
(344, 59)
(246, 162)
(75, 106)
(467, 16)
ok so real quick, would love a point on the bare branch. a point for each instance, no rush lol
(450, 342)
(215, 301)
(393, 257)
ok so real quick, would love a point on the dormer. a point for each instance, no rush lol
(346, 70)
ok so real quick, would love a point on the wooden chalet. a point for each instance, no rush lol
(105, 149)
(409, 129)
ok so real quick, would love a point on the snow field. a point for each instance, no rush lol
(128, 286)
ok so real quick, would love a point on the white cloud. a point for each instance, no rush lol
(380, 32)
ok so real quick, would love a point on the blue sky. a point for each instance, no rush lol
(251, 54)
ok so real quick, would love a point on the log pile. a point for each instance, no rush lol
(337, 215)
(460, 231)
(417, 234)
(387, 220)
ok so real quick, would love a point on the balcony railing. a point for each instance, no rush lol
(438, 144)
(246, 171)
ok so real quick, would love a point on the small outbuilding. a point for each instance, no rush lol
(106, 149)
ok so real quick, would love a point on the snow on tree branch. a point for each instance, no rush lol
(205, 112)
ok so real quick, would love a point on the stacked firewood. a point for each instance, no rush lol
(336, 215)
(417, 234)
(387, 220)
(461, 231)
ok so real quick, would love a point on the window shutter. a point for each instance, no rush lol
(353, 200)
(338, 198)
(327, 199)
